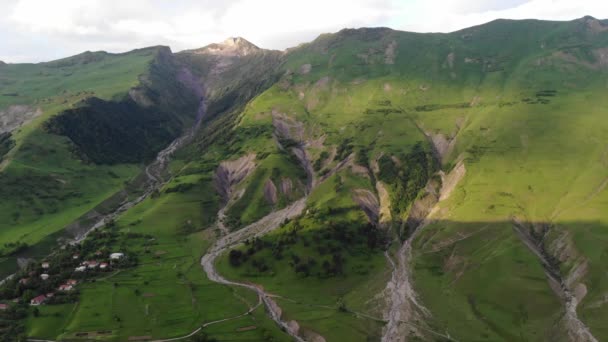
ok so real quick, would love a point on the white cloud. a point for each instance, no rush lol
(34, 30)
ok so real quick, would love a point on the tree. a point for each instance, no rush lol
(235, 257)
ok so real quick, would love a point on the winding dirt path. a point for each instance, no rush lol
(259, 228)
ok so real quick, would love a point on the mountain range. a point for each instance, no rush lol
(372, 184)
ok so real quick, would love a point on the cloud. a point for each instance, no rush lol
(35, 30)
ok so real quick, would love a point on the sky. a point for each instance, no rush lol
(42, 30)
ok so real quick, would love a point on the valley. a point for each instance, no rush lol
(370, 185)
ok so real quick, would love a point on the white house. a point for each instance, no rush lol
(65, 287)
(116, 256)
(44, 276)
(80, 268)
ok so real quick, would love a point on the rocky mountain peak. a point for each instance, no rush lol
(233, 46)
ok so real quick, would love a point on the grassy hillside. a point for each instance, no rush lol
(454, 188)
(49, 177)
(519, 102)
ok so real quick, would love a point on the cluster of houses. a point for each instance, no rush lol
(93, 264)
(68, 286)
(70, 283)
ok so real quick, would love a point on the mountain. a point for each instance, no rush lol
(372, 184)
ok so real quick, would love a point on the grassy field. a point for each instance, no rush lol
(167, 294)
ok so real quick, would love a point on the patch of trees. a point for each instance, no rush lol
(181, 188)
(345, 148)
(108, 132)
(319, 162)
(435, 106)
(129, 131)
(406, 179)
(321, 252)
(6, 144)
(12, 327)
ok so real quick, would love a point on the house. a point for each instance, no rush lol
(103, 265)
(80, 268)
(38, 300)
(3, 306)
(45, 265)
(44, 276)
(72, 282)
(75, 256)
(65, 287)
(92, 264)
(49, 295)
(24, 281)
(116, 256)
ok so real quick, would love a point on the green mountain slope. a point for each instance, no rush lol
(76, 114)
(370, 185)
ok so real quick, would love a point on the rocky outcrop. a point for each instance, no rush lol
(231, 173)
(567, 287)
(231, 47)
(368, 202)
(15, 116)
(286, 187)
(385, 203)
(270, 192)
(452, 179)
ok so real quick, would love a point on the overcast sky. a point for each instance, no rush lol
(41, 30)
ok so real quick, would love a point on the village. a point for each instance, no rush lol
(55, 279)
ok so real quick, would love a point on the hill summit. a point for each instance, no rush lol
(233, 46)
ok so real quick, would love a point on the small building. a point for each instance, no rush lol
(44, 276)
(45, 265)
(3, 306)
(72, 282)
(103, 265)
(80, 268)
(49, 295)
(65, 287)
(38, 300)
(24, 281)
(92, 264)
(116, 256)
(76, 256)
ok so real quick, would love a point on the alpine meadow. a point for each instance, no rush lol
(370, 185)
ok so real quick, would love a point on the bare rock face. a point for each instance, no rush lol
(231, 47)
(286, 186)
(230, 173)
(16, 115)
(2, 63)
(451, 180)
(368, 203)
(305, 69)
(270, 192)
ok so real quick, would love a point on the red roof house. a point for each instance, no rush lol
(38, 300)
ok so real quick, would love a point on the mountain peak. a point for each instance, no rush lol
(233, 46)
